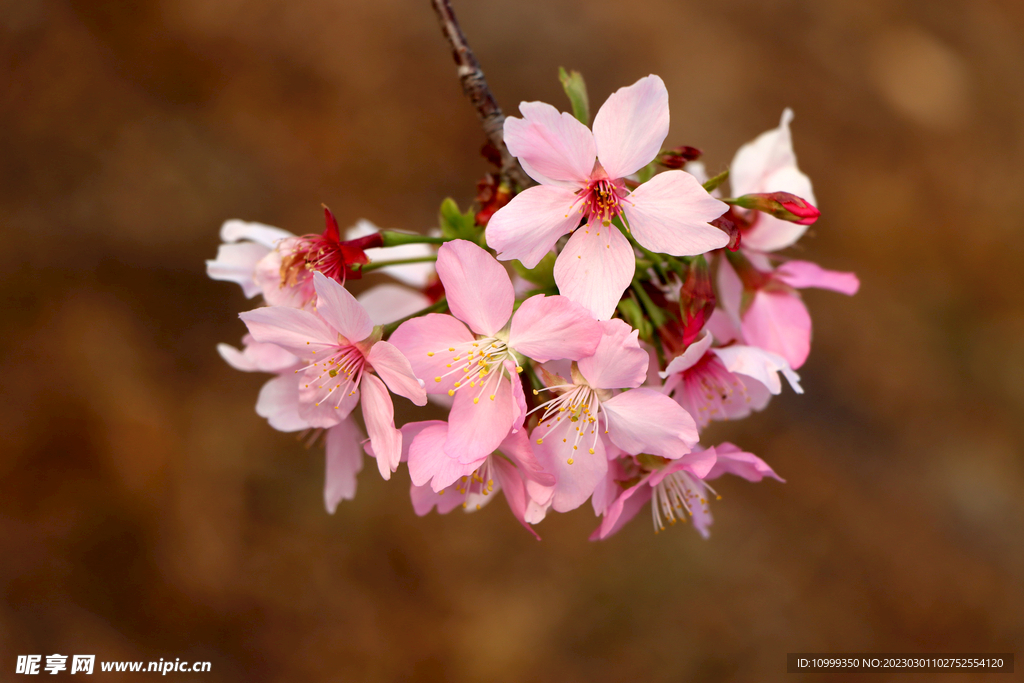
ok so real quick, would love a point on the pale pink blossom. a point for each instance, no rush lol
(472, 354)
(677, 488)
(763, 308)
(440, 481)
(586, 411)
(581, 175)
(766, 165)
(245, 245)
(725, 383)
(346, 361)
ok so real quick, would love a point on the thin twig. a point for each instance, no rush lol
(474, 85)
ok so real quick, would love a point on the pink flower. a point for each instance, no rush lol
(245, 245)
(679, 487)
(766, 165)
(574, 424)
(765, 310)
(442, 481)
(343, 350)
(478, 364)
(725, 383)
(581, 176)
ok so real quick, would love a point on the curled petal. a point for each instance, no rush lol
(802, 274)
(428, 463)
(622, 510)
(268, 236)
(237, 263)
(631, 125)
(763, 366)
(552, 146)
(528, 227)
(256, 357)
(478, 288)
(670, 213)
(688, 358)
(594, 269)
(387, 303)
(732, 460)
(511, 484)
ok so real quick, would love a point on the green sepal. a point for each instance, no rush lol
(542, 275)
(647, 172)
(712, 183)
(456, 225)
(576, 90)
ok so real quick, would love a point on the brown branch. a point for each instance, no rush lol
(474, 85)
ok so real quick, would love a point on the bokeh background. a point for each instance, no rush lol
(147, 512)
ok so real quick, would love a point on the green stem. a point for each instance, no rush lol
(393, 239)
(439, 307)
(376, 265)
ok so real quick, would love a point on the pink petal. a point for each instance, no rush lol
(344, 462)
(394, 368)
(518, 448)
(278, 402)
(688, 358)
(801, 274)
(379, 415)
(387, 303)
(299, 332)
(553, 147)
(618, 361)
(779, 322)
(425, 342)
(411, 430)
(763, 366)
(518, 397)
(428, 463)
(237, 263)
(731, 460)
(476, 429)
(606, 492)
(510, 482)
(631, 125)
(645, 421)
(622, 510)
(594, 269)
(234, 230)
(553, 327)
(730, 299)
(670, 213)
(573, 482)
(698, 463)
(256, 357)
(424, 499)
(528, 227)
(340, 309)
(478, 288)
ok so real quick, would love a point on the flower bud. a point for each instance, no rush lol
(677, 157)
(696, 299)
(491, 195)
(782, 205)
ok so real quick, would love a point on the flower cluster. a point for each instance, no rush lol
(581, 332)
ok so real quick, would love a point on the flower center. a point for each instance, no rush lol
(675, 496)
(708, 389)
(581, 406)
(340, 373)
(478, 365)
(601, 200)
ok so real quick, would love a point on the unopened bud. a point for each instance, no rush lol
(696, 299)
(728, 224)
(491, 195)
(782, 205)
(677, 157)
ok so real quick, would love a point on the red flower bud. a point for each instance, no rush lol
(491, 195)
(677, 157)
(782, 205)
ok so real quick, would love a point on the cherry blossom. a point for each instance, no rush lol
(343, 350)
(582, 180)
(474, 354)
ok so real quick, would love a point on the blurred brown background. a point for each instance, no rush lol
(146, 511)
